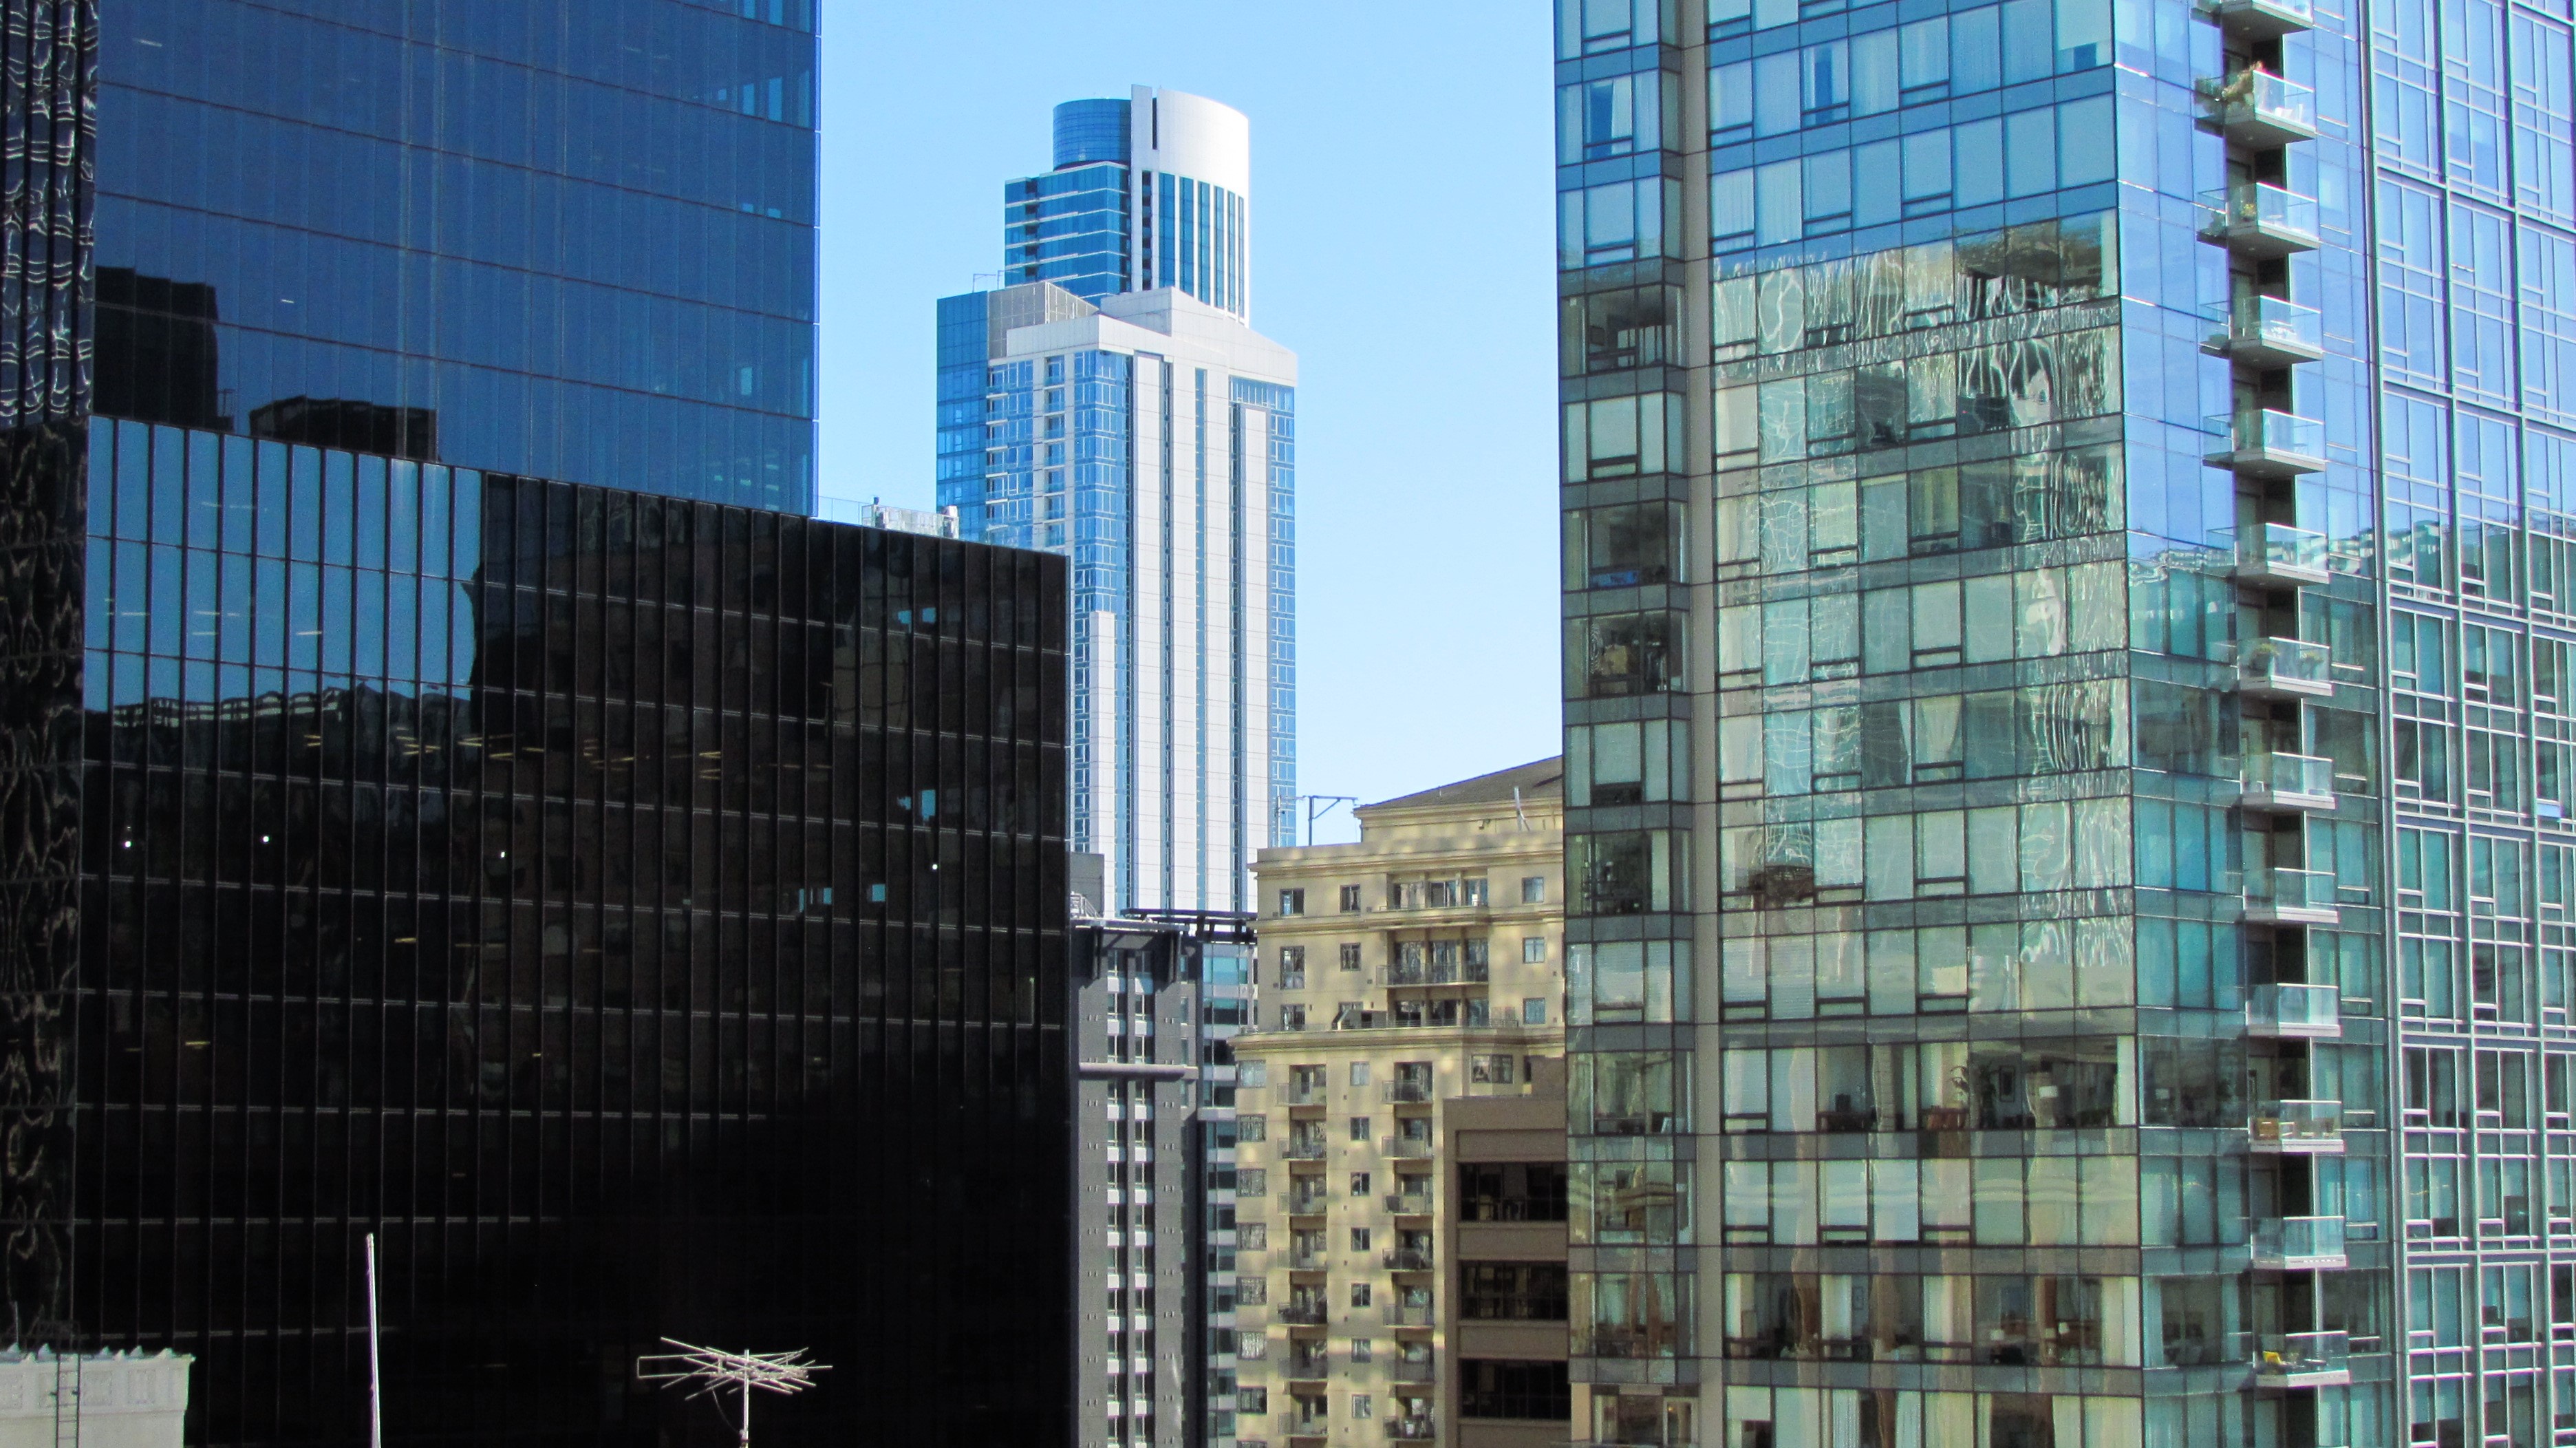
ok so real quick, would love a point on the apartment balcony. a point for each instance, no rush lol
(2259, 109)
(2300, 1244)
(1304, 1151)
(1410, 1369)
(1469, 972)
(2261, 443)
(1300, 1313)
(1411, 1315)
(1305, 1093)
(1404, 1148)
(2286, 669)
(1410, 1259)
(1305, 1204)
(2289, 783)
(2276, 555)
(1408, 1093)
(2301, 1359)
(2257, 219)
(1419, 1429)
(2290, 897)
(2263, 19)
(1309, 1262)
(2268, 332)
(1409, 1204)
(2297, 1128)
(1309, 1366)
(2291, 1011)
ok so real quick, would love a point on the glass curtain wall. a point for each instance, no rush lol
(1997, 1054)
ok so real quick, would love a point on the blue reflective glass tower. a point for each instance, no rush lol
(1112, 404)
(2067, 752)
(571, 242)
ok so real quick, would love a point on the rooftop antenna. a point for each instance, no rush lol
(1320, 805)
(1517, 812)
(714, 1370)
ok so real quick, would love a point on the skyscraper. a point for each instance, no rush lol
(643, 915)
(2065, 698)
(533, 239)
(1112, 404)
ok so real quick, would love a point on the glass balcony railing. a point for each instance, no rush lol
(1405, 1148)
(1410, 1314)
(1304, 1151)
(1409, 1204)
(1305, 1204)
(2280, 556)
(2260, 219)
(2289, 782)
(2299, 1243)
(1304, 1093)
(2264, 17)
(1412, 1369)
(2260, 440)
(2290, 897)
(1407, 1093)
(2309, 1126)
(2262, 109)
(2295, 1009)
(2282, 668)
(1304, 1312)
(2302, 1356)
(1417, 1429)
(1409, 1259)
(1310, 1365)
(2272, 330)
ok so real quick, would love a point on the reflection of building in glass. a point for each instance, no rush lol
(156, 349)
(584, 263)
(2064, 691)
(403, 432)
(592, 894)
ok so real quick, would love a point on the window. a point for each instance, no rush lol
(1350, 949)
(1533, 949)
(1359, 1239)
(1533, 889)
(1360, 1405)
(1359, 1073)
(1359, 1294)
(1512, 1291)
(1360, 1349)
(1534, 1011)
(1534, 1391)
(1360, 1129)
(1359, 1183)
(1490, 1070)
(1292, 1018)
(1350, 899)
(1292, 902)
(1292, 967)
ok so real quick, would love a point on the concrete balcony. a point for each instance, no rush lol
(2267, 332)
(2300, 1244)
(2280, 896)
(2294, 1012)
(2276, 555)
(2289, 784)
(2286, 669)
(2261, 443)
(2297, 1128)
(2259, 109)
(2263, 19)
(2301, 1359)
(2257, 219)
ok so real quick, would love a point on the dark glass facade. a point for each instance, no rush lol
(564, 238)
(648, 917)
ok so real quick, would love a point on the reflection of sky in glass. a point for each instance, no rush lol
(221, 567)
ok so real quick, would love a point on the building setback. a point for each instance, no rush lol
(646, 916)
(1112, 405)
(2065, 703)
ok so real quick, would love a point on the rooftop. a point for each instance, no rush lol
(1540, 779)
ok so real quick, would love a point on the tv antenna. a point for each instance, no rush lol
(1320, 805)
(715, 1370)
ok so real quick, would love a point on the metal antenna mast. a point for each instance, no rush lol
(714, 1370)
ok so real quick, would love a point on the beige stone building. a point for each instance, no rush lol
(1400, 1213)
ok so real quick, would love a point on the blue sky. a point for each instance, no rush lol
(1403, 245)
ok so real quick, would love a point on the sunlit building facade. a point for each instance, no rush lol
(1111, 404)
(2065, 673)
